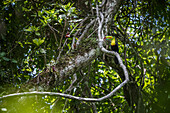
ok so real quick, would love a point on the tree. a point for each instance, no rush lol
(36, 56)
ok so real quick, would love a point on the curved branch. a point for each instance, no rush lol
(59, 94)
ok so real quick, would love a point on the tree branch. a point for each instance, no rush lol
(76, 63)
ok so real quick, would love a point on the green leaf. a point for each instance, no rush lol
(2, 54)
(86, 2)
(37, 33)
(6, 59)
(14, 61)
(28, 43)
(29, 29)
(3, 37)
(20, 44)
(42, 51)
(38, 42)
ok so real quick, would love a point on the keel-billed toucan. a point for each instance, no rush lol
(114, 45)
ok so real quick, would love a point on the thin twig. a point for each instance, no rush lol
(62, 35)
(61, 50)
(52, 29)
(71, 86)
(84, 32)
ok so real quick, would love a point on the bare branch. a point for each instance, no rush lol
(92, 33)
(85, 31)
(71, 86)
(61, 50)
(67, 95)
(52, 29)
(73, 41)
(62, 35)
(78, 24)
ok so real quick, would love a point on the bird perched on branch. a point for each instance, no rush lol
(68, 35)
(114, 45)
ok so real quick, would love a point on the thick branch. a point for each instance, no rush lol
(77, 63)
(70, 65)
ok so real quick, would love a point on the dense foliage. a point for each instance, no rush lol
(32, 37)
